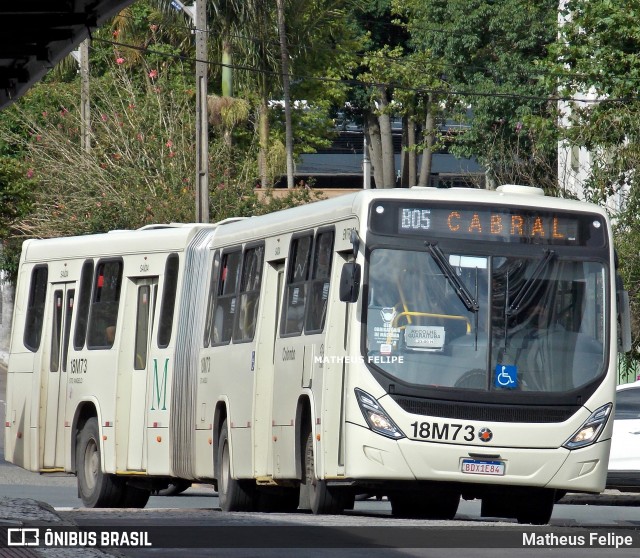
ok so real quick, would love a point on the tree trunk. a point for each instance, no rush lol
(404, 154)
(386, 142)
(408, 152)
(227, 86)
(427, 153)
(284, 53)
(411, 144)
(263, 128)
(227, 70)
(372, 131)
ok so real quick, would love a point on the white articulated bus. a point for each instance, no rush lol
(422, 344)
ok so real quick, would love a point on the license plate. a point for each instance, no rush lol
(475, 467)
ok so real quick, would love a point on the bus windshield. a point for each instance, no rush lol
(532, 324)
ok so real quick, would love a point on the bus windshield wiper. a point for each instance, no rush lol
(528, 284)
(458, 286)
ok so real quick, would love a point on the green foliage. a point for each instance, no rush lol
(140, 168)
(16, 186)
(297, 196)
(596, 58)
(489, 53)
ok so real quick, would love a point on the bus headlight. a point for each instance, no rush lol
(377, 418)
(591, 428)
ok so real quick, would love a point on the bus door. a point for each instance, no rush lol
(273, 282)
(134, 362)
(55, 376)
(317, 309)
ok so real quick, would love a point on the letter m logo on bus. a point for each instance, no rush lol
(159, 395)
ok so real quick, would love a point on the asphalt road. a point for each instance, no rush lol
(367, 528)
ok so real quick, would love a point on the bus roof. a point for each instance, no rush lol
(172, 238)
(176, 236)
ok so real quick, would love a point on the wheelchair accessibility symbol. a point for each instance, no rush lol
(506, 376)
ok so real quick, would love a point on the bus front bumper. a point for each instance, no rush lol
(371, 456)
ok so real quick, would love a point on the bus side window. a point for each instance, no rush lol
(319, 285)
(142, 328)
(208, 324)
(84, 299)
(225, 306)
(104, 305)
(250, 281)
(296, 292)
(35, 308)
(54, 359)
(168, 300)
(68, 313)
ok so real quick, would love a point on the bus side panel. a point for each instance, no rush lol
(23, 383)
(233, 362)
(293, 374)
(266, 331)
(18, 432)
(159, 381)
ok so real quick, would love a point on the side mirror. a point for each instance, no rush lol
(624, 322)
(350, 282)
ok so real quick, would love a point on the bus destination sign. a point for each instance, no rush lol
(512, 226)
(502, 224)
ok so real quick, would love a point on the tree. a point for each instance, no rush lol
(490, 52)
(596, 53)
(139, 169)
(16, 186)
(374, 104)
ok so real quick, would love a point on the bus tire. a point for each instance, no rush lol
(278, 500)
(537, 507)
(321, 498)
(135, 497)
(437, 504)
(233, 494)
(96, 488)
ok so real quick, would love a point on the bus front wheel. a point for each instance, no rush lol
(96, 488)
(233, 494)
(537, 508)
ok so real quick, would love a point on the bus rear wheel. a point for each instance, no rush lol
(134, 497)
(96, 488)
(233, 494)
(315, 493)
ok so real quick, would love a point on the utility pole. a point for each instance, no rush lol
(366, 166)
(284, 55)
(199, 19)
(81, 56)
(85, 112)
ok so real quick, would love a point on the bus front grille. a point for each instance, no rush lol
(485, 412)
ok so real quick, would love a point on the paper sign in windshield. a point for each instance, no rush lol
(424, 337)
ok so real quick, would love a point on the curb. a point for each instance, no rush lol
(606, 498)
